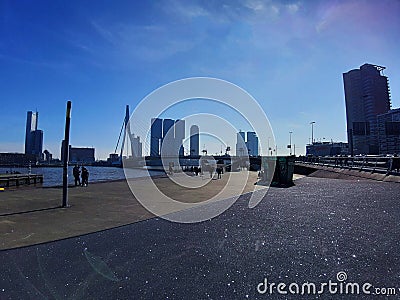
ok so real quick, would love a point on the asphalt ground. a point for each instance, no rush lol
(309, 232)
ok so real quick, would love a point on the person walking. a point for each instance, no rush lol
(76, 172)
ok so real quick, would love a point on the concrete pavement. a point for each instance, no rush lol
(33, 215)
(308, 233)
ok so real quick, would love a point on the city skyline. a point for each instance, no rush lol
(289, 55)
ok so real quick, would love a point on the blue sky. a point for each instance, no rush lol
(102, 55)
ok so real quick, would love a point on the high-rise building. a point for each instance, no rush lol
(367, 95)
(37, 138)
(31, 125)
(155, 136)
(241, 147)
(194, 140)
(136, 146)
(252, 143)
(167, 125)
(168, 138)
(33, 136)
(179, 135)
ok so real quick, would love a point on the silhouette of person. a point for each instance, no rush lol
(76, 172)
(396, 162)
(85, 176)
(211, 170)
(219, 172)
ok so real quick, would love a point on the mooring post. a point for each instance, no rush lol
(66, 155)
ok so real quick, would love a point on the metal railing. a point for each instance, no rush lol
(373, 164)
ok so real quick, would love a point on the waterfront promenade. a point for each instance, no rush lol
(31, 215)
(309, 232)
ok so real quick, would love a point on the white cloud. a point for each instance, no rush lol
(103, 32)
(292, 8)
(255, 5)
(185, 9)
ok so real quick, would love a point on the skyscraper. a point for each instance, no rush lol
(252, 143)
(167, 125)
(179, 135)
(194, 140)
(249, 147)
(367, 95)
(241, 148)
(136, 146)
(167, 134)
(168, 138)
(31, 125)
(155, 136)
(33, 136)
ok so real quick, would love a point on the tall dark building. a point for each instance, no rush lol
(249, 147)
(166, 136)
(367, 95)
(155, 136)
(194, 140)
(31, 125)
(167, 125)
(33, 136)
(179, 135)
(252, 143)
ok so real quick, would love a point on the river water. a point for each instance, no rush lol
(53, 176)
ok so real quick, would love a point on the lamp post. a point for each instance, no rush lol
(312, 132)
(66, 155)
(290, 142)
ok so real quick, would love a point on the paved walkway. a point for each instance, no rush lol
(33, 215)
(311, 232)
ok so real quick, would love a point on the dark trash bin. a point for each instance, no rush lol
(284, 169)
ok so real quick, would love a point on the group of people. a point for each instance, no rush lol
(81, 174)
(195, 170)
